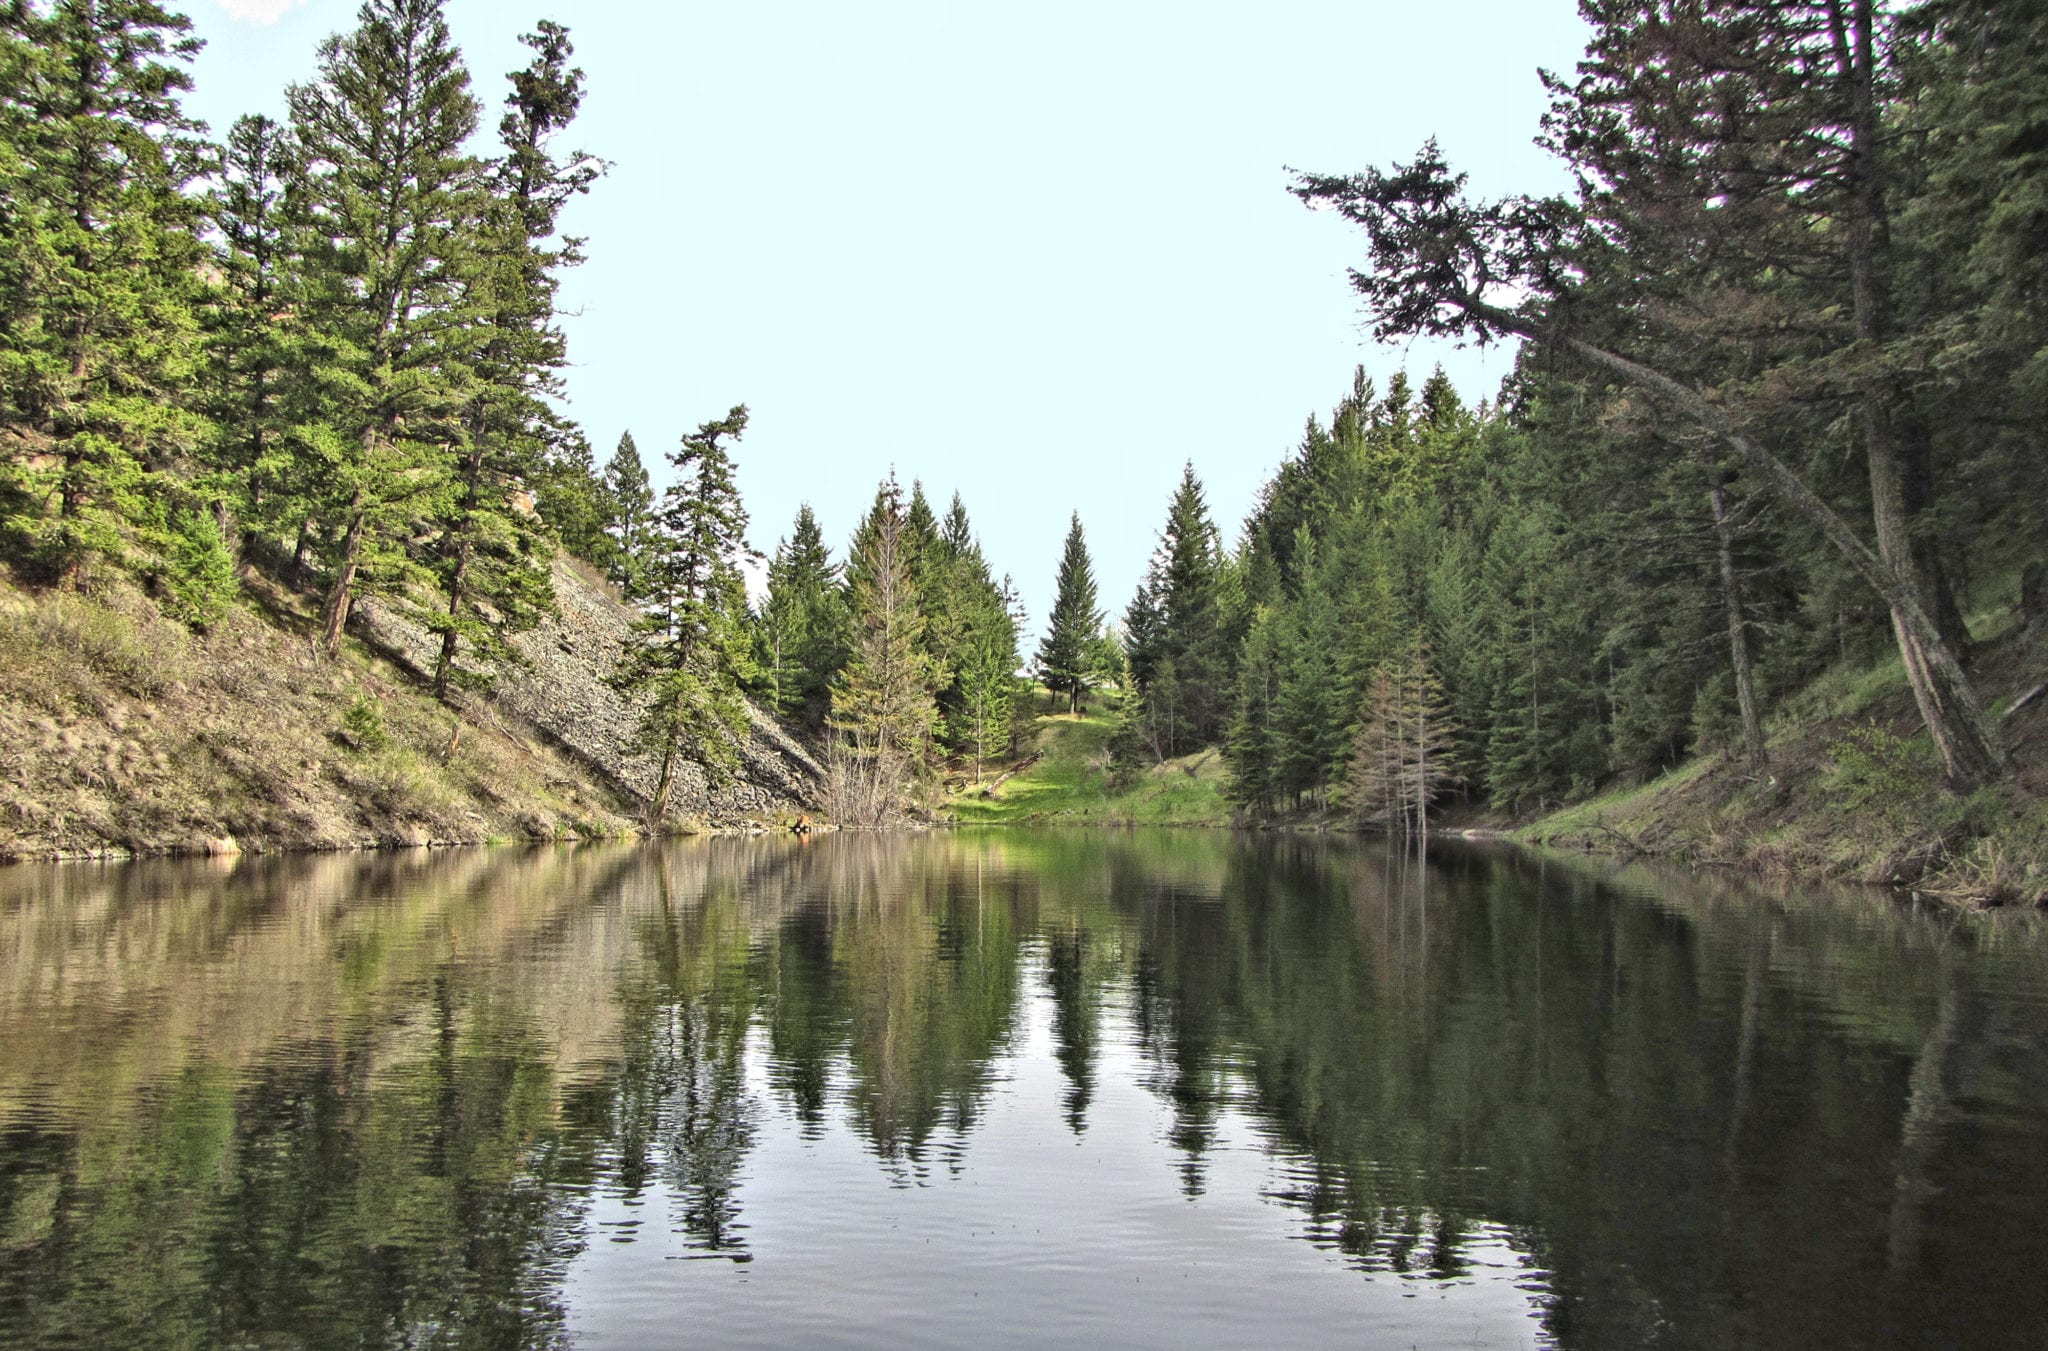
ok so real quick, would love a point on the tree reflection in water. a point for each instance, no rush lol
(394, 1100)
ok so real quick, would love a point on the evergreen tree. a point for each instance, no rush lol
(883, 708)
(1064, 653)
(628, 510)
(1309, 718)
(256, 341)
(1401, 759)
(689, 652)
(572, 500)
(1179, 637)
(980, 724)
(803, 623)
(1252, 741)
(99, 279)
(395, 207)
(493, 562)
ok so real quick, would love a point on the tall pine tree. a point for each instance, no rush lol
(395, 207)
(689, 651)
(1065, 655)
(99, 278)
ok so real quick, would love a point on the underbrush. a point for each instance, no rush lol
(59, 648)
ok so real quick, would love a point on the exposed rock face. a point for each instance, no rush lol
(560, 695)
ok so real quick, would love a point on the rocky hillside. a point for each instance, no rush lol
(123, 732)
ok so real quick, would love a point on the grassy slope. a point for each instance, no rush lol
(1853, 794)
(1071, 784)
(121, 731)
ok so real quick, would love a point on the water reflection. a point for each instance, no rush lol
(1121, 1087)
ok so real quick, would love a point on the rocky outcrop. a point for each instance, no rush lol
(558, 693)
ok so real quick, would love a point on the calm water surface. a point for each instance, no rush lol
(1158, 1089)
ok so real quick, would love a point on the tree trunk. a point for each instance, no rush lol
(1891, 478)
(334, 613)
(456, 583)
(664, 785)
(2034, 598)
(297, 574)
(1961, 729)
(1738, 635)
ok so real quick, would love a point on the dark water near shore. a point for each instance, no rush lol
(1159, 1089)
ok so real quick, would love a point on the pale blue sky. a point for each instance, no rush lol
(1039, 254)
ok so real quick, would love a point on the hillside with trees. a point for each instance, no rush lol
(1744, 561)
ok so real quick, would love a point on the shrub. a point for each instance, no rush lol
(198, 573)
(46, 640)
(363, 725)
(1875, 772)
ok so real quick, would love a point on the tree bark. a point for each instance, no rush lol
(297, 574)
(2034, 597)
(456, 583)
(1738, 635)
(1890, 460)
(334, 613)
(664, 784)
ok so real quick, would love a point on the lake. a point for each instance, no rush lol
(1005, 1088)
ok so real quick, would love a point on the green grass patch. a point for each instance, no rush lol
(1617, 805)
(1072, 784)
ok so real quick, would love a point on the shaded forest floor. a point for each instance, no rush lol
(1853, 794)
(1070, 783)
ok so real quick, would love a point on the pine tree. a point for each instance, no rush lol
(1251, 743)
(395, 204)
(99, 277)
(1401, 758)
(803, 623)
(689, 652)
(970, 634)
(1063, 654)
(1190, 604)
(628, 510)
(571, 498)
(883, 708)
(980, 724)
(254, 335)
(1309, 717)
(1179, 641)
(493, 561)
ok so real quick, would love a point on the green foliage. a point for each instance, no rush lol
(1874, 772)
(1064, 654)
(363, 724)
(198, 572)
(804, 629)
(884, 706)
(1181, 633)
(627, 512)
(1078, 780)
(99, 274)
(691, 648)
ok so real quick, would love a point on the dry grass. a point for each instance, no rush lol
(122, 731)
